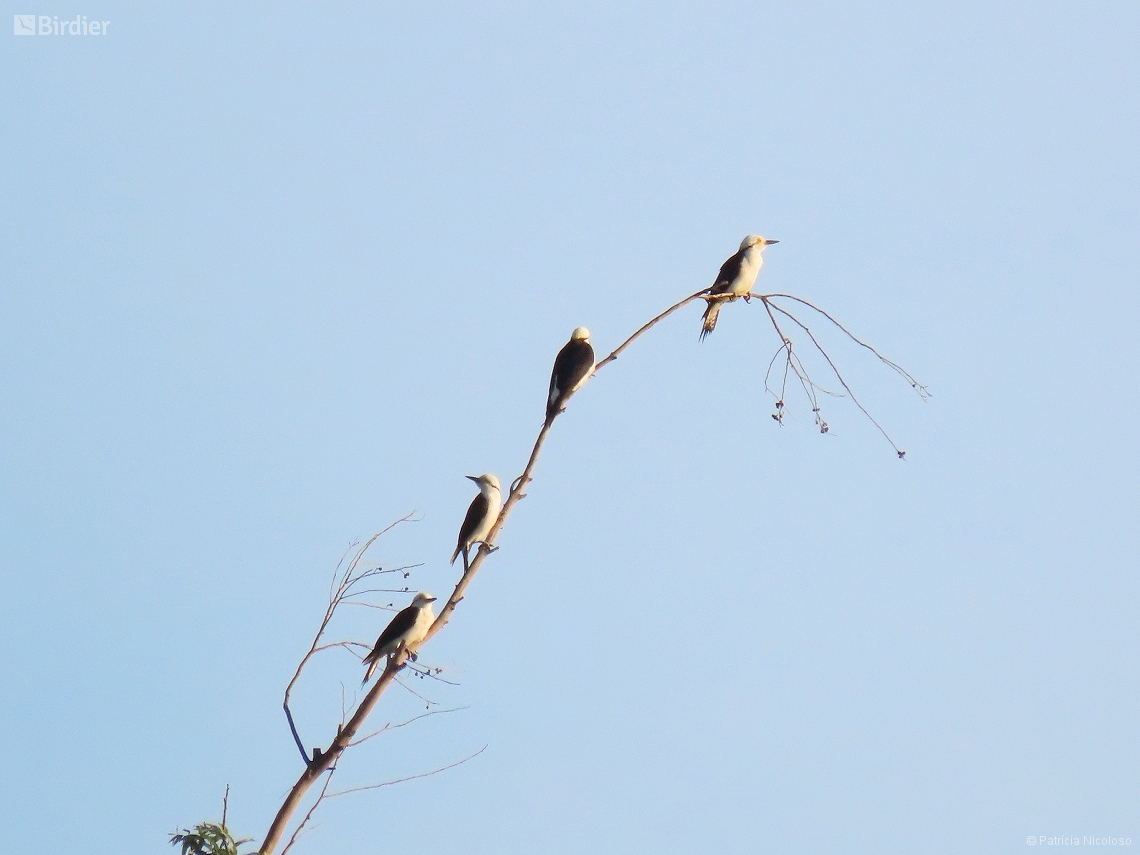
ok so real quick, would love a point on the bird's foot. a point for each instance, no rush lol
(747, 298)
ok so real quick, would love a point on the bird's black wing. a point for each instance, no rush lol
(728, 272)
(556, 386)
(401, 623)
(475, 513)
(571, 365)
(579, 361)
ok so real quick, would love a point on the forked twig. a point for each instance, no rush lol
(389, 726)
(795, 365)
(343, 585)
(428, 673)
(409, 777)
(427, 701)
(923, 392)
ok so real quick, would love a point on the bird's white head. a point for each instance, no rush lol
(423, 598)
(580, 334)
(756, 240)
(486, 482)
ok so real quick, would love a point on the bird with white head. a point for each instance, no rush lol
(481, 515)
(573, 366)
(409, 626)
(736, 278)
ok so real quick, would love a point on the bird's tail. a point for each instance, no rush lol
(553, 407)
(373, 660)
(709, 317)
(455, 554)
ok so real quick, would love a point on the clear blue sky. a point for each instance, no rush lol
(277, 274)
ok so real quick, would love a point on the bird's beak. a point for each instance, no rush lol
(474, 478)
(432, 599)
(770, 240)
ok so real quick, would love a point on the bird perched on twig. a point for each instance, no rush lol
(572, 367)
(736, 278)
(481, 515)
(408, 627)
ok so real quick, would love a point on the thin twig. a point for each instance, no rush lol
(430, 673)
(409, 777)
(389, 726)
(347, 645)
(363, 592)
(783, 346)
(923, 391)
(790, 365)
(428, 701)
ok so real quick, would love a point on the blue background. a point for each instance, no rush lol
(275, 275)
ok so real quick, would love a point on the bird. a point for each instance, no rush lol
(736, 278)
(481, 515)
(572, 367)
(409, 626)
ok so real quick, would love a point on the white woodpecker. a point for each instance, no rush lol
(736, 278)
(408, 627)
(481, 515)
(572, 367)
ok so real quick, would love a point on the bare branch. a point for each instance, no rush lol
(309, 814)
(348, 578)
(397, 661)
(645, 328)
(337, 593)
(409, 777)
